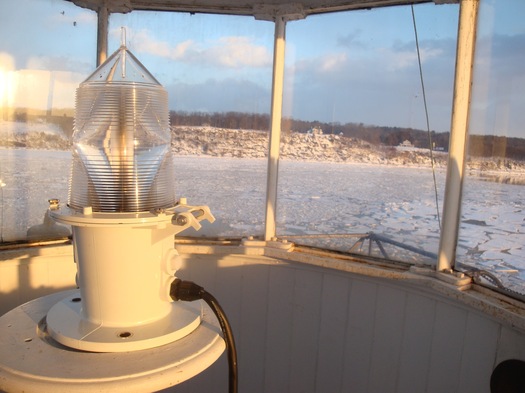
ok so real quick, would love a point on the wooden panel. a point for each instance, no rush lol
(278, 329)
(447, 348)
(228, 287)
(26, 278)
(479, 347)
(250, 338)
(332, 333)
(307, 329)
(388, 335)
(416, 344)
(35, 276)
(511, 345)
(306, 318)
(10, 287)
(359, 336)
(202, 270)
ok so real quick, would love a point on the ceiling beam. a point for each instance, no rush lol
(243, 7)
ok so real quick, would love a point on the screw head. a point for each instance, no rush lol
(181, 220)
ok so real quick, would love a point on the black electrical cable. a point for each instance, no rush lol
(189, 291)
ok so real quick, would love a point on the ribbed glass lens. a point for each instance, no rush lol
(122, 159)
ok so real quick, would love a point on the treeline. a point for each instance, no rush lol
(375, 135)
(230, 120)
(479, 145)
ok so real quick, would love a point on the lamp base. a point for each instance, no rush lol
(66, 325)
(31, 361)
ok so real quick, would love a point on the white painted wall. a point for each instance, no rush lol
(304, 328)
(29, 273)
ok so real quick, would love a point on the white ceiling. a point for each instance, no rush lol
(261, 9)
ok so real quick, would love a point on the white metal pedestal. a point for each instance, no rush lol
(66, 324)
(30, 361)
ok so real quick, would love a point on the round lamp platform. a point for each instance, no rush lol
(31, 361)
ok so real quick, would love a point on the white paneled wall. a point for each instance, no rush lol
(302, 328)
(29, 273)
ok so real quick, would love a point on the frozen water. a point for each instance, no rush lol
(314, 199)
(31, 178)
(18, 127)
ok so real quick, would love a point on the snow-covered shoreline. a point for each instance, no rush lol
(311, 147)
(219, 142)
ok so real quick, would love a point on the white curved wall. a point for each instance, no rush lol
(302, 328)
(305, 328)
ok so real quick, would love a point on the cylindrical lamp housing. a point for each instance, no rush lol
(123, 213)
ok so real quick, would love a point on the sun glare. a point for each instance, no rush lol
(7, 83)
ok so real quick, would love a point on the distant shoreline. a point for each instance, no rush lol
(217, 142)
(311, 147)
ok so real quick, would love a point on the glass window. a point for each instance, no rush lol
(356, 172)
(493, 210)
(48, 49)
(217, 70)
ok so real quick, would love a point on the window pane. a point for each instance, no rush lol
(217, 71)
(357, 172)
(50, 50)
(492, 221)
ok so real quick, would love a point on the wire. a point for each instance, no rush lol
(189, 291)
(426, 116)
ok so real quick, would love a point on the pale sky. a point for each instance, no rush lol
(356, 67)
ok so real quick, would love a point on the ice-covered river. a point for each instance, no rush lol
(314, 199)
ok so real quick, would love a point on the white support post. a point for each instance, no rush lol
(102, 35)
(458, 133)
(275, 131)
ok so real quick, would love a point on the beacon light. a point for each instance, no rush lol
(131, 325)
(124, 215)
